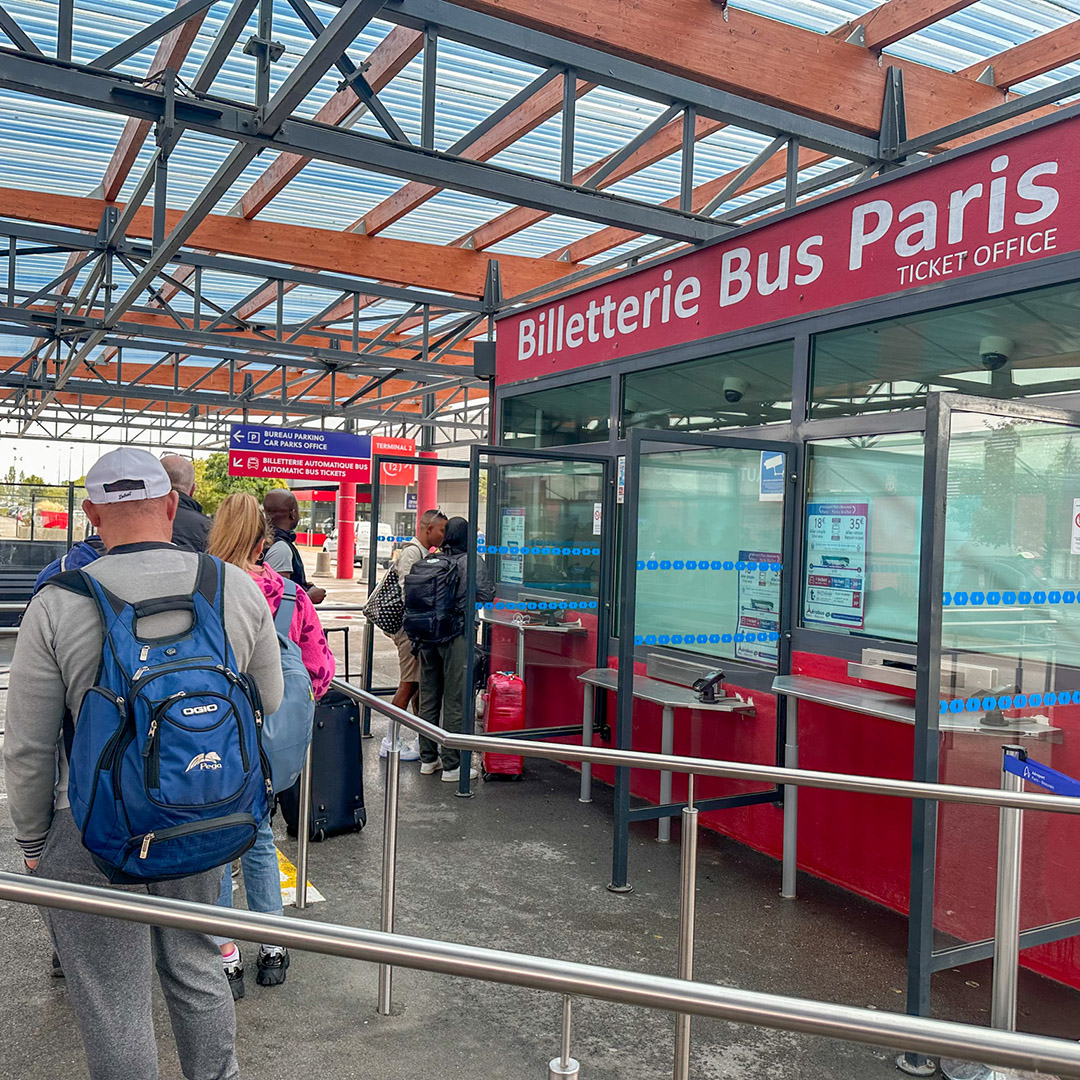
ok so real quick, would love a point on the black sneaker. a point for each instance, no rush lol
(234, 970)
(57, 968)
(272, 963)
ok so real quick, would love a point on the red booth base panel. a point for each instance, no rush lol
(860, 842)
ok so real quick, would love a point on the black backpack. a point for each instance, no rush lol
(431, 609)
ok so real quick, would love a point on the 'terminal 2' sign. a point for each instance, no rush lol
(1008, 203)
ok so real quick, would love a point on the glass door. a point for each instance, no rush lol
(1000, 640)
(539, 582)
(705, 596)
(406, 487)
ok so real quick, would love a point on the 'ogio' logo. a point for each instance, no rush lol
(211, 760)
(198, 710)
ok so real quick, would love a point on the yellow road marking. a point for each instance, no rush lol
(288, 884)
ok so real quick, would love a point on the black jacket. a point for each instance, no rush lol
(191, 527)
(485, 589)
(298, 574)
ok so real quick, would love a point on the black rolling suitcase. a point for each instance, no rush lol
(337, 772)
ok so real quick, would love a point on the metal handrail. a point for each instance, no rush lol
(1009, 1049)
(735, 770)
(1008, 802)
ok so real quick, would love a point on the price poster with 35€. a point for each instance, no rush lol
(834, 592)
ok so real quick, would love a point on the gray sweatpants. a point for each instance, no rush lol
(109, 965)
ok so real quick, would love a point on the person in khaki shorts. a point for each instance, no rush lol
(429, 534)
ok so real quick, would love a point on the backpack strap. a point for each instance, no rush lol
(284, 614)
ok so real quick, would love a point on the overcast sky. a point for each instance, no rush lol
(56, 462)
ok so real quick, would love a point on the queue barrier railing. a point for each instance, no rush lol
(918, 1035)
(1009, 800)
(566, 978)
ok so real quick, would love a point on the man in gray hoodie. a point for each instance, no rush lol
(109, 963)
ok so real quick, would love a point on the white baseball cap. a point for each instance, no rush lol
(125, 475)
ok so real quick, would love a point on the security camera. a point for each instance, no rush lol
(734, 389)
(995, 352)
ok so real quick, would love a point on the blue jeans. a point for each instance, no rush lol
(262, 879)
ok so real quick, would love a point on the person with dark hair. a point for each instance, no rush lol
(429, 534)
(442, 664)
(284, 513)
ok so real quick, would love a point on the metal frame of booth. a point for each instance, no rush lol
(1056, 269)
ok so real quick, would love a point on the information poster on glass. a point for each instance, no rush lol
(512, 534)
(835, 586)
(759, 607)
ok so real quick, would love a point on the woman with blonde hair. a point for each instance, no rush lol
(239, 536)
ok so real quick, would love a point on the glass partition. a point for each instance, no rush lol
(546, 516)
(543, 547)
(1009, 669)
(562, 416)
(860, 572)
(1020, 345)
(738, 389)
(710, 536)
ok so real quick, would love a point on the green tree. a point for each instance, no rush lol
(213, 482)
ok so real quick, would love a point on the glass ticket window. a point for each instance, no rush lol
(1009, 669)
(1012, 547)
(563, 416)
(547, 519)
(1023, 345)
(860, 567)
(739, 389)
(709, 552)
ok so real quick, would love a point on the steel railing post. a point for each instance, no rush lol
(389, 861)
(564, 1067)
(303, 832)
(1007, 911)
(586, 740)
(366, 651)
(791, 806)
(1006, 927)
(687, 913)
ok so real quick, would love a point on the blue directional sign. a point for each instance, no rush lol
(260, 438)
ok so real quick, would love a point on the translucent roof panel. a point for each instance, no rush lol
(54, 147)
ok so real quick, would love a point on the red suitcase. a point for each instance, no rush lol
(504, 710)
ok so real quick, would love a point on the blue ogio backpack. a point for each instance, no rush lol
(167, 777)
(82, 553)
(286, 732)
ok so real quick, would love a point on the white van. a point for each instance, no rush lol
(384, 547)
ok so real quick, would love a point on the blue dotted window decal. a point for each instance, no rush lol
(1005, 702)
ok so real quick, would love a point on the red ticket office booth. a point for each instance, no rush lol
(779, 427)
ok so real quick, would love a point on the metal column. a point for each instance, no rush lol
(586, 740)
(667, 746)
(791, 805)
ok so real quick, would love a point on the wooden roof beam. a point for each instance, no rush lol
(1048, 51)
(664, 143)
(171, 52)
(754, 57)
(605, 239)
(403, 262)
(386, 61)
(897, 19)
(540, 107)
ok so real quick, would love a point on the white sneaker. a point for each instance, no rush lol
(427, 768)
(407, 751)
(452, 776)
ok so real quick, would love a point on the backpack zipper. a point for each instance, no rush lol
(140, 676)
(171, 833)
